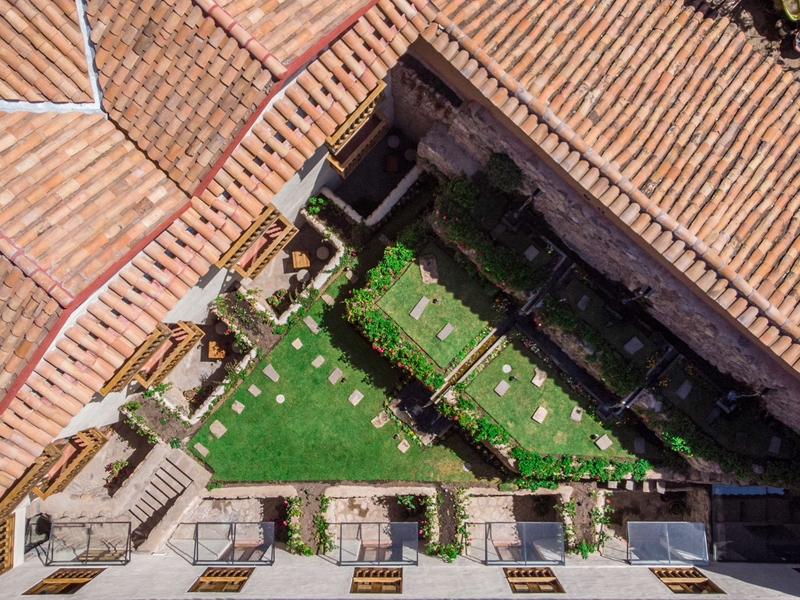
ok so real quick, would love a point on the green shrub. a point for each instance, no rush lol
(503, 173)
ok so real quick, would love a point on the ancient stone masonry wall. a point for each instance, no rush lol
(417, 107)
(602, 244)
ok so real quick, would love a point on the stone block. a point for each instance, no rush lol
(630, 485)
(539, 377)
(384, 240)
(327, 299)
(351, 276)
(297, 344)
(312, 325)
(403, 446)
(428, 269)
(237, 407)
(638, 445)
(499, 230)
(647, 487)
(633, 346)
(501, 388)
(380, 420)
(531, 253)
(446, 330)
(540, 414)
(684, 390)
(318, 362)
(576, 414)
(613, 485)
(254, 390)
(660, 487)
(335, 376)
(270, 372)
(201, 450)
(604, 442)
(775, 445)
(416, 312)
(217, 429)
(355, 397)
(583, 303)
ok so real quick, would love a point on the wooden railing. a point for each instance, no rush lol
(89, 442)
(6, 544)
(344, 166)
(264, 221)
(193, 335)
(354, 122)
(25, 484)
(132, 366)
(269, 252)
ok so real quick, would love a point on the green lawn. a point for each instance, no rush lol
(316, 434)
(463, 303)
(558, 434)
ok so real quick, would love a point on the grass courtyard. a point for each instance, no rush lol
(462, 302)
(558, 434)
(316, 434)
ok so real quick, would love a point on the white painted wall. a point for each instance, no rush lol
(316, 172)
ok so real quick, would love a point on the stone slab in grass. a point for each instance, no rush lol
(775, 445)
(539, 377)
(318, 362)
(683, 391)
(638, 445)
(254, 390)
(327, 299)
(501, 388)
(428, 269)
(604, 443)
(577, 414)
(384, 240)
(297, 344)
(633, 345)
(531, 253)
(355, 398)
(583, 303)
(446, 330)
(217, 429)
(381, 420)
(403, 446)
(540, 414)
(312, 325)
(270, 372)
(630, 485)
(237, 407)
(335, 376)
(499, 230)
(416, 313)
(201, 450)
(351, 276)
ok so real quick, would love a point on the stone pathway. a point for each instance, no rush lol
(355, 398)
(318, 362)
(217, 429)
(540, 414)
(237, 407)
(297, 344)
(335, 376)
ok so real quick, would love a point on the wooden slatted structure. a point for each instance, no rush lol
(7, 544)
(184, 336)
(339, 138)
(64, 581)
(686, 580)
(85, 445)
(533, 580)
(359, 145)
(222, 579)
(376, 580)
(32, 477)
(276, 242)
(128, 370)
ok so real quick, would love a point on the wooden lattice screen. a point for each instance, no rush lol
(128, 370)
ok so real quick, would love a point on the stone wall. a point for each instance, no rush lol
(473, 131)
(417, 107)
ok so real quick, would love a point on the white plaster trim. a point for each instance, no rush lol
(394, 197)
(344, 206)
(88, 51)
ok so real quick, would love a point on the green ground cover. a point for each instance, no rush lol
(463, 303)
(558, 434)
(316, 434)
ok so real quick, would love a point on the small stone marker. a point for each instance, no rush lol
(381, 420)
(327, 299)
(217, 429)
(403, 446)
(499, 230)
(467, 467)
(237, 407)
(506, 368)
(312, 325)
(646, 487)
(684, 390)
(428, 269)
(201, 450)
(270, 372)
(633, 345)
(318, 362)
(351, 276)
(417, 312)
(613, 485)
(384, 240)
(630, 485)
(638, 445)
(501, 388)
(604, 443)
(254, 390)
(280, 398)
(540, 414)
(297, 344)
(660, 487)
(335, 376)
(531, 253)
(355, 397)
(539, 377)
(577, 414)
(583, 303)
(774, 445)
(446, 330)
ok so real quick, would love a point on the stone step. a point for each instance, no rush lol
(143, 506)
(177, 474)
(161, 490)
(168, 482)
(152, 500)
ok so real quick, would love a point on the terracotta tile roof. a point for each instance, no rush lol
(27, 313)
(176, 81)
(76, 196)
(42, 54)
(288, 28)
(666, 116)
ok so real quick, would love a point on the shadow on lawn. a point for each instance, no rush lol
(481, 462)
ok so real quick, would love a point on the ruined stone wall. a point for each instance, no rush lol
(473, 133)
(417, 107)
